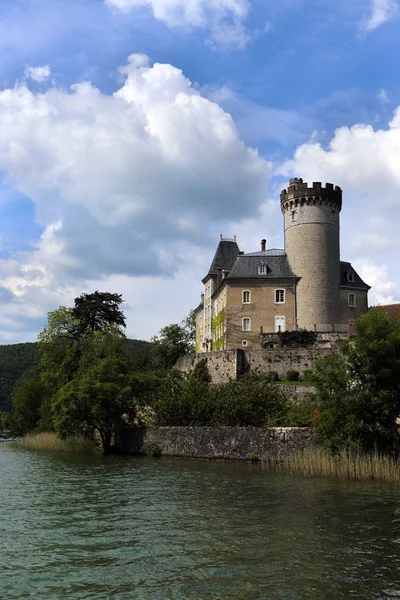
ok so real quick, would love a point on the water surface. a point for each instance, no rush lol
(121, 528)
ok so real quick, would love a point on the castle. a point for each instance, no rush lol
(303, 286)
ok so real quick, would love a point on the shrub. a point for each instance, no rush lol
(300, 414)
(254, 402)
(253, 457)
(151, 449)
(300, 338)
(293, 375)
(308, 376)
(272, 376)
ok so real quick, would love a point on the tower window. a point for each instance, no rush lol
(279, 296)
(352, 300)
(246, 324)
(293, 213)
(246, 297)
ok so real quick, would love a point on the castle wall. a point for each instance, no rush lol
(229, 365)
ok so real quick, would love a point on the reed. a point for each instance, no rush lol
(345, 465)
(49, 442)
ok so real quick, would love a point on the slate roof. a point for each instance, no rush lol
(246, 266)
(224, 256)
(357, 283)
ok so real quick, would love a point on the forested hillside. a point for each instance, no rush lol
(15, 359)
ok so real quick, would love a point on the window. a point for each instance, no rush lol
(246, 324)
(262, 269)
(244, 342)
(201, 321)
(350, 276)
(279, 296)
(352, 300)
(246, 297)
(293, 215)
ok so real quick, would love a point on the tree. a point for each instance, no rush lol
(172, 342)
(99, 311)
(62, 325)
(189, 325)
(358, 391)
(28, 398)
(101, 399)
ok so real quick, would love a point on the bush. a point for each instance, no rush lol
(300, 414)
(308, 376)
(301, 338)
(151, 449)
(272, 376)
(254, 402)
(293, 375)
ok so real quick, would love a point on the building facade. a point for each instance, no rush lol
(303, 286)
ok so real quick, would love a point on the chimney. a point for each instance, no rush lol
(219, 277)
(263, 244)
(241, 253)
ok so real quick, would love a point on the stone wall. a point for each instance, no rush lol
(233, 443)
(229, 364)
(281, 360)
(222, 366)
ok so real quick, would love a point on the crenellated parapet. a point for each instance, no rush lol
(299, 194)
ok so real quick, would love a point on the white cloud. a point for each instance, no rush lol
(383, 289)
(381, 11)
(38, 74)
(383, 96)
(224, 18)
(125, 185)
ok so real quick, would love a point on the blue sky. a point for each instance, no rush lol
(124, 183)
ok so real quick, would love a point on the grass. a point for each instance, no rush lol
(345, 465)
(49, 442)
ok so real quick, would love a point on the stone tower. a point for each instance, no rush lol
(311, 225)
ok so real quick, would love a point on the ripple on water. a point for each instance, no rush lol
(97, 528)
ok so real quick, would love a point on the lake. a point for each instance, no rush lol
(122, 528)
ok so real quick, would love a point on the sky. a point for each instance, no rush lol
(134, 132)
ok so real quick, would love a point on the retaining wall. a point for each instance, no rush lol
(230, 364)
(235, 443)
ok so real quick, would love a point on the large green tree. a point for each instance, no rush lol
(358, 390)
(100, 399)
(99, 311)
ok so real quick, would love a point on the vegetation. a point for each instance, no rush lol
(50, 442)
(345, 464)
(175, 341)
(15, 360)
(358, 390)
(299, 338)
(293, 375)
(190, 400)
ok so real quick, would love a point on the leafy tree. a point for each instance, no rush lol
(62, 325)
(99, 311)
(189, 325)
(358, 391)
(172, 342)
(101, 399)
(28, 399)
(5, 424)
(15, 359)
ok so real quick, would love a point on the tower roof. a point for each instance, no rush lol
(224, 256)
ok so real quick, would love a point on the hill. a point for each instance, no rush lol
(15, 359)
